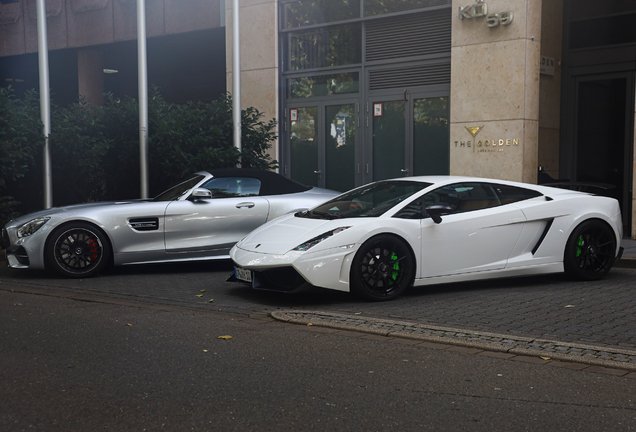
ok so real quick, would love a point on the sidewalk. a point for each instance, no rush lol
(630, 248)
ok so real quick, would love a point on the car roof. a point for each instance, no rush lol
(441, 180)
(271, 183)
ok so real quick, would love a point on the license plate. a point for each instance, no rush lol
(243, 274)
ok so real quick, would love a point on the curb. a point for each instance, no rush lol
(547, 349)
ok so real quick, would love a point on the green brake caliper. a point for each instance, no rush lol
(579, 249)
(396, 266)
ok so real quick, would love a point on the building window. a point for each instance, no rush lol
(382, 7)
(311, 12)
(325, 47)
(323, 85)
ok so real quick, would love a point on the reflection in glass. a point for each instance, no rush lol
(381, 7)
(303, 138)
(325, 47)
(431, 153)
(340, 146)
(323, 85)
(388, 141)
(309, 12)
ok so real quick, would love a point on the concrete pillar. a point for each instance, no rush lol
(259, 57)
(495, 88)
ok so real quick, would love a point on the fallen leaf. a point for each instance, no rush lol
(199, 295)
(211, 300)
(202, 290)
(129, 325)
(570, 306)
(358, 313)
(545, 358)
(225, 337)
(205, 350)
(309, 324)
(17, 304)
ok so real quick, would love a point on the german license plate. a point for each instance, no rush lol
(243, 274)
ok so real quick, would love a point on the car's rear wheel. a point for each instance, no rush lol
(77, 250)
(590, 251)
(382, 268)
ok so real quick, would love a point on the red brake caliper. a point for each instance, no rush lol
(93, 249)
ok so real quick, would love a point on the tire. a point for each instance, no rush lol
(382, 269)
(590, 251)
(77, 250)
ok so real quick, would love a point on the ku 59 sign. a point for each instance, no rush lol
(480, 10)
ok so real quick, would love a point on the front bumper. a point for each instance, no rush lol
(281, 279)
(27, 252)
(327, 268)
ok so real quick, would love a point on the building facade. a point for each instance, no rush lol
(372, 89)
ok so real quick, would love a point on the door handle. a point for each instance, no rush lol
(318, 172)
(405, 171)
(245, 204)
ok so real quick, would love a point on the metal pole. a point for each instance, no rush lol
(45, 99)
(143, 95)
(236, 74)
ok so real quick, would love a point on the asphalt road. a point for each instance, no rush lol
(551, 307)
(69, 365)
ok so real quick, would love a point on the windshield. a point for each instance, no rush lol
(176, 191)
(371, 200)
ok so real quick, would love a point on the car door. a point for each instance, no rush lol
(216, 223)
(478, 235)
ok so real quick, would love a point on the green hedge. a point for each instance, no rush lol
(95, 149)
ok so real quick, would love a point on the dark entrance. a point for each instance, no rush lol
(604, 134)
(599, 68)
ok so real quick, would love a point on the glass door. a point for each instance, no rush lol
(303, 138)
(322, 143)
(408, 134)
(341, 126)
(431, 135)
(388, 138)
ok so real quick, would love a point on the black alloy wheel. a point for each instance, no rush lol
(77, 250)
(382, 268)
(590, 251)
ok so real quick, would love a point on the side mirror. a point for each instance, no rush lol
(200, 193)
(435, 211)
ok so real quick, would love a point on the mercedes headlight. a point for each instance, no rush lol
(314, 241)
(31, 227)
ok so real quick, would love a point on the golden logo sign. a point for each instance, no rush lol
(486, 146)
(474, 130)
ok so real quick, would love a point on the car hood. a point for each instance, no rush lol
(287, 232)
(69, 209)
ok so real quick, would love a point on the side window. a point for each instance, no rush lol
(511, 194)
(464, 197)
(227, 187)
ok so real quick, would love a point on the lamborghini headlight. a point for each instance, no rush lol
(31, 227)
(314, 241)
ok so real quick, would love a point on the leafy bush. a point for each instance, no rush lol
(95, 149)
(20, 141)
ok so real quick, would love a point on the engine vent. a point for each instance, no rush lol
(144, 224)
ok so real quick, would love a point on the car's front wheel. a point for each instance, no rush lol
(77, 250)
(590, 251)
(382, 268)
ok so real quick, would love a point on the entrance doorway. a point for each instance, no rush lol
(603, 135)
(321, 140)
(408, 135)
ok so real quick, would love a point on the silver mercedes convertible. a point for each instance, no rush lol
(201, 218)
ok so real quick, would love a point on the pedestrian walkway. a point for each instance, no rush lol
(542, 348)
(630, 248)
